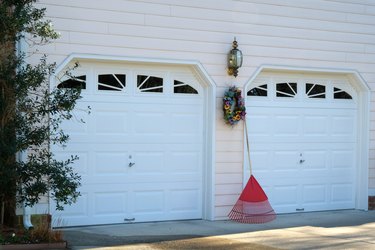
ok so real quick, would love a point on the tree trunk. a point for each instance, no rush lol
(10, 212)
(8, 165)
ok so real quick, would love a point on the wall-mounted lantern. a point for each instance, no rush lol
(234, 59)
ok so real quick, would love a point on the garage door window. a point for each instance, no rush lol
(315, 90)
(341, 94)
(286, 89)
(258, 91)
(78, 82)
(149, 84)
(183, 88)
(112, 82)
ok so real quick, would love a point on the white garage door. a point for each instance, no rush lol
(303, 142)
(140, 149)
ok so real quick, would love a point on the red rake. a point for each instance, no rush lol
(253, 206)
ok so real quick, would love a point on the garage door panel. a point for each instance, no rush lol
(109, 122)
(314, 194)
(78, 209)
(343, 159)
(150, 162)
(184, 200)
(261, 160)
(327, 146)
(73, 214)
(329, 178)
(342, 192)
(184, 162)
(285, 161)
(167, 203)
(148, 201)
(115, 138)
(321, 175)
(271, 147)
(138, 139)
(301, 125)
(315, 125)
(184, 124)
(335, 126)
(283, 196)
(272, 178)
(292, 139)
(260, 125)
(144, 203)
(109, 203)
(286, 126)
(343, 126)
(78, 124)
(131, 178)
(81, 166)
(110, 163)
(148, 123)
(314, 160)
(166, 177)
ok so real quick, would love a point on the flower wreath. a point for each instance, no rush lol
(233, 106)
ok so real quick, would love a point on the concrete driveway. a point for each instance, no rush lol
(347, 229)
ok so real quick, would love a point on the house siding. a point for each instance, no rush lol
(323, 34)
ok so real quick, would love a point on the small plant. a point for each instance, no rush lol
(41, 233)
(13, 236)
(2, 240)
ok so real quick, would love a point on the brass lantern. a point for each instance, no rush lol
(234, 59)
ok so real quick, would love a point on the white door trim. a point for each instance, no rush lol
(363, 122)
(209, 124)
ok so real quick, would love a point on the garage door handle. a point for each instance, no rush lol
(131, 164)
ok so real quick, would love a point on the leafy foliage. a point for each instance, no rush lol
(30, 113)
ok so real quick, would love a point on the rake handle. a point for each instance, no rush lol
(248, 147)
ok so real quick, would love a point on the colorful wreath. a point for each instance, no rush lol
(233, 106)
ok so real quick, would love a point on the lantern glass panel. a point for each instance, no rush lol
(238, 58)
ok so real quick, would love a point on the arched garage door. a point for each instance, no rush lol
(140, 148)
(303, 137)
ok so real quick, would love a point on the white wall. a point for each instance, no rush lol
(336, 34)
